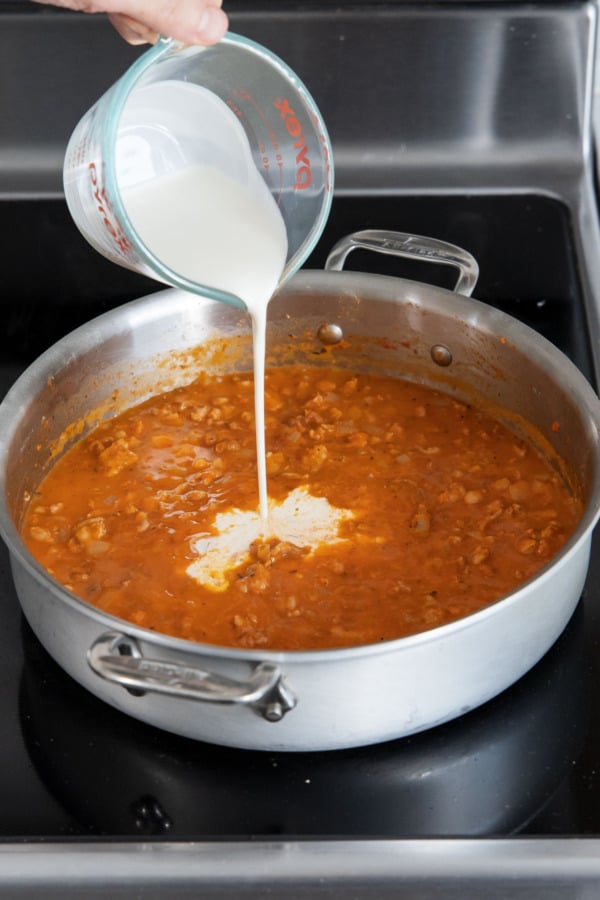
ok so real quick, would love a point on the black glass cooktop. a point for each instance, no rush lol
(526, 763)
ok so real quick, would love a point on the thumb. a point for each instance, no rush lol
(189, 21)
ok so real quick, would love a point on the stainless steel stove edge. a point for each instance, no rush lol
(362, 870)
(415, 95)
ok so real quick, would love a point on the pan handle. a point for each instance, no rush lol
(117, 658)
(411, 246)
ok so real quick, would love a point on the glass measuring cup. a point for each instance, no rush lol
(235, 108)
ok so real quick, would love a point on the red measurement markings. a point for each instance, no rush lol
(104, 208)
(267, 160)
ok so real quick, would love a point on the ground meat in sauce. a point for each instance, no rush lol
(451, 510)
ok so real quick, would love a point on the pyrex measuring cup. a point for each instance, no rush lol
(234, 107)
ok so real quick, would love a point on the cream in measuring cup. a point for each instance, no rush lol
(200, 205)
(233, 108)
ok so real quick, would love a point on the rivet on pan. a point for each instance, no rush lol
(441, 355)
(274, 712)
(329, 333)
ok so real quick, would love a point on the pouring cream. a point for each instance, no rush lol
(215, 230)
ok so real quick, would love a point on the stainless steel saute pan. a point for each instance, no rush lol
(318, 699)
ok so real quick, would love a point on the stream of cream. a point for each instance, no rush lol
(216, 232)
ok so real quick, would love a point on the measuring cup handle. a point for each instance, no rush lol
(411, 246)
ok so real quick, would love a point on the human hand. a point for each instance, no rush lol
(141, 21)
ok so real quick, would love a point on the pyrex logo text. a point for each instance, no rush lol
(294, 129)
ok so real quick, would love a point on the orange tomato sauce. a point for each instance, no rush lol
(451, 510)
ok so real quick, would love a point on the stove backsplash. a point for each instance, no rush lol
(416, 95)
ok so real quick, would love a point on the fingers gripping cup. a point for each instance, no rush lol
(202, 165)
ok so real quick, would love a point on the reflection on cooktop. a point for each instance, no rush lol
(486, 774)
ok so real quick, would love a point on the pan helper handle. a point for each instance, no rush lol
(117, 658)
(409, 246)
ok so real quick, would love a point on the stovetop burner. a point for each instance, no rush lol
(525, 763)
